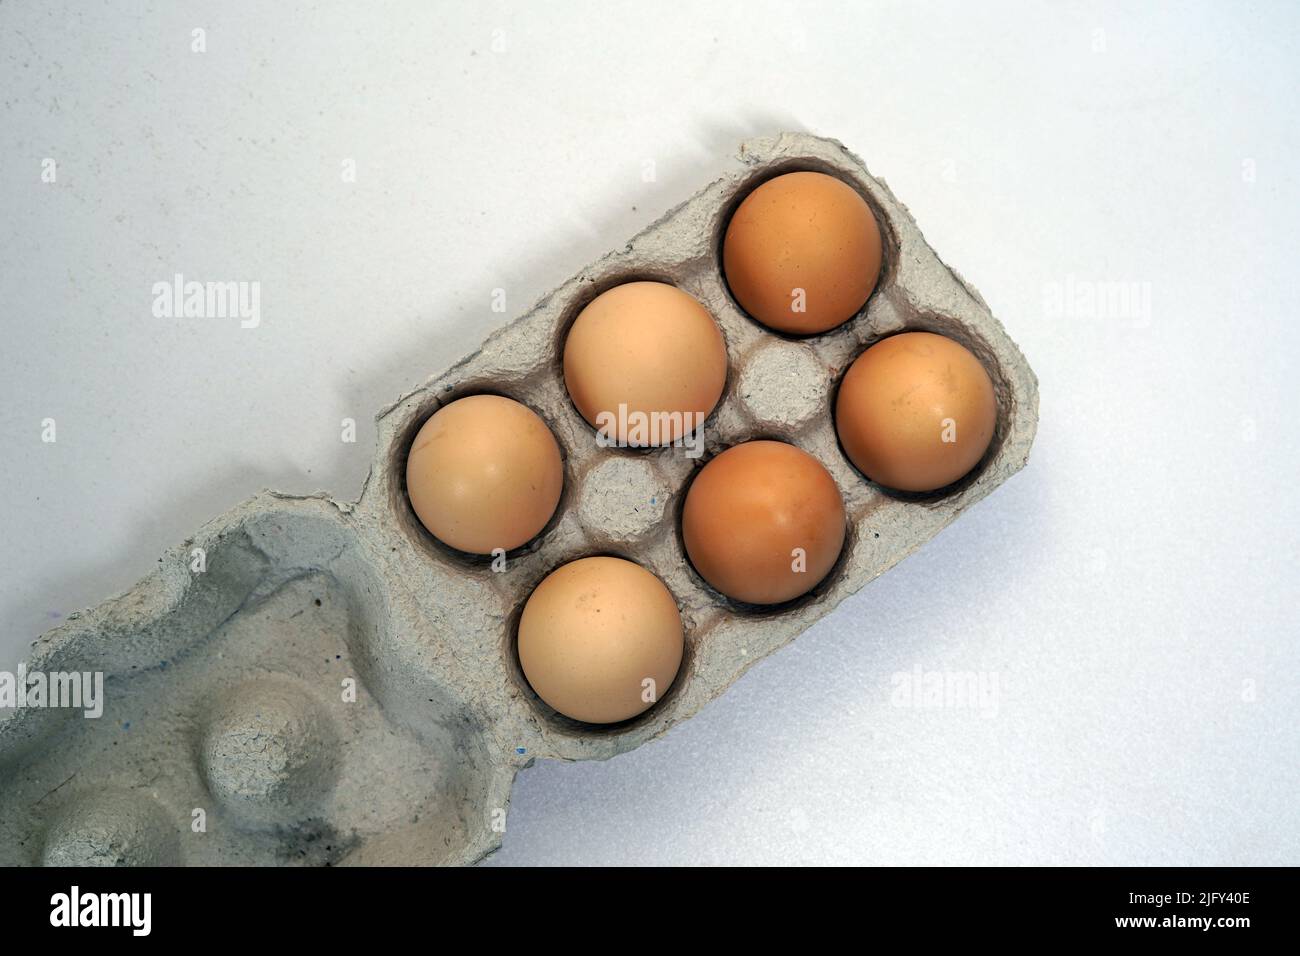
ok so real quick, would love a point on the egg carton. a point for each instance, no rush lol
(310, 681)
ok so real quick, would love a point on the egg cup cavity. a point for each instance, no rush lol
(889, 244)
(565, 726)
(399, 501)
(952, 329)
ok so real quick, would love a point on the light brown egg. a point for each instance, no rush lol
(483, 473)
(802, 253)
(600, 640)
(651, 348)
(916, 411)
(763, 522)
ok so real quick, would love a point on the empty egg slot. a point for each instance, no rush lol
(548, 715)
(888, 237)
(952, 329)
(400, 501)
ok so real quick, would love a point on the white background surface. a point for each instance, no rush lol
(1133, 592)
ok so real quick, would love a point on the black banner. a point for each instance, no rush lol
(333, 906)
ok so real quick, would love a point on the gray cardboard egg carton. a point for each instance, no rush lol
(225, 687)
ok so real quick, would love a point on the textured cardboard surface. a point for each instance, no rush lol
(303, 593)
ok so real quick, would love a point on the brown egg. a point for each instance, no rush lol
(484, 473)
(802, 253)
(600, 640)
(916, 411)
(763, 522)
(652, 349)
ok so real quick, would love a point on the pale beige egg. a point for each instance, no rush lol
(645, 363)
(600, 640)
(484, 472)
